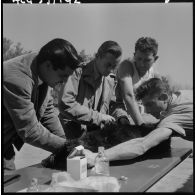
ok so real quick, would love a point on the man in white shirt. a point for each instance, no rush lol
(132, 72)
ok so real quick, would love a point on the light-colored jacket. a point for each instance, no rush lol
(28, 117)
(77, 97)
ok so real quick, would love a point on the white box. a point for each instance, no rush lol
(77, 167)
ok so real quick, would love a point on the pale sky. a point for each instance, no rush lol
(87, 26)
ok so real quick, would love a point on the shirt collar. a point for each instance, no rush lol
(39, 81)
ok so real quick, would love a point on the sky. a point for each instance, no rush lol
(87, 26)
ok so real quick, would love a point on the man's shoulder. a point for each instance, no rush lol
(20, 63)
(125, 68)
(127, 62)
(20, 58)
(19, 68)
(86, 68)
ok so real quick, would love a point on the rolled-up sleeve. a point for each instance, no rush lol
(173, 122)
(17, 100)
(70, 108)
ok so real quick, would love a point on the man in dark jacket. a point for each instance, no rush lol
(28, 112)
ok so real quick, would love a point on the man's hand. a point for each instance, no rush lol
(56, 160)
(90, 157)
(123, 121)
(106, 120)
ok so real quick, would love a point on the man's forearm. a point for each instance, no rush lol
(138, 146)
(133, 110)
(40, 137)
(127, 150)
(80, 113)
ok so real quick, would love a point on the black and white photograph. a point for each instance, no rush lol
(97, 97)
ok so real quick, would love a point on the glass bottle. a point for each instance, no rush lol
(102, 163)
(53, 184)
(33, 185)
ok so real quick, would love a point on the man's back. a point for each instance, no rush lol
(16, 72)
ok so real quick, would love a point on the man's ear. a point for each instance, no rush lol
(163, 97)
(155, 58)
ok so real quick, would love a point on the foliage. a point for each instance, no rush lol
(174, 86)
(10, 50)
(85, 57)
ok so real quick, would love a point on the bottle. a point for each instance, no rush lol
(54, 183)
(33, 185)
(102, 163)
(54, 186)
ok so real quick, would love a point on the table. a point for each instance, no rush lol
(143, 172)
(179, 179)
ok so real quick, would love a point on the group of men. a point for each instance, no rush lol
(93, 95)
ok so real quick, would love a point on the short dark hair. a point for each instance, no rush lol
(147, 44)
(60, 52)
(109, 47)
(151, 87)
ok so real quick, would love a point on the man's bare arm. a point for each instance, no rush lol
(125, 74)
(137, 147)
(129, 98)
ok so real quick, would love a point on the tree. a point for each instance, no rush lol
(175, 86)
(85, 57)
(10, 50)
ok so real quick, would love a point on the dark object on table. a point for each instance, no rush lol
(108, 137)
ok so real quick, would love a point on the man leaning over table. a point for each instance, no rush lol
(28, 111)
(174, 110)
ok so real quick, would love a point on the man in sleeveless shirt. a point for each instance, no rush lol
(131, 73)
